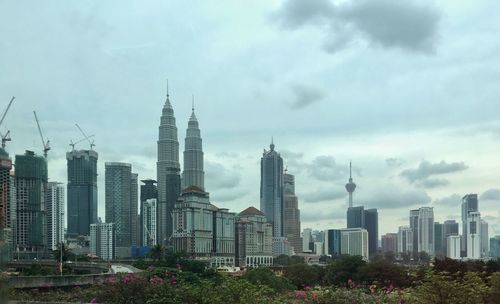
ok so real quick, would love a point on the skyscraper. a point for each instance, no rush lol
(405, 240)
(474, 235)
(118, 181)
(356, 217)
(134, 215)
(193, 174)
(5, 167)
(333, 242)
(148, 191)
(469, 204)
(390, 243)
(371, 225)
(103, 240)
(82, 191)
(291, 221)
(439, 239)
(31, 187)
(307, 240)
(148, 218)
(167, 171)
(271, 189)
(350, 186)
(453, 247)
(495, 246)
(414, 229)
(55, 214)
(426, 230)
(354, 241)
(485, 239)
(450, 227)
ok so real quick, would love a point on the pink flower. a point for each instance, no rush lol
(150, 268)
(93, 301)
(300, 294)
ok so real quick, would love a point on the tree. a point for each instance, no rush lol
(157, 252)
(342, 270)
(424, 257)
(264, 276)
(66, 253)
(303, 275)
(385, 273)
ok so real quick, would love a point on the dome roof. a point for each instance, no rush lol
(251, 211)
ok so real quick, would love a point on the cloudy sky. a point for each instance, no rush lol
(407, 90)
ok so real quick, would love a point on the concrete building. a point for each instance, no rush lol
(134, 209)
(291, 221)
(193, 174)
(485, 239)
(426, 230)
(439, 240)
(148, 191)
(307, 240)
(223, 238)
(103, 240)
(148, 219)
(474, 235)
(356, 217)
(118, 195)
(333, 242)
(469, 204)
(271, 194)
(354, 241)
(5, 167)
(31, 189)
(450, 227)
(167, 171)
(495, 246)
(390, 243)
(253, 239)
(414, 228)
(405, 240)
(371, 225)
(55, 214)
(453, 247)
(82, 191)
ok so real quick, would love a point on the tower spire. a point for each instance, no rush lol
(272, 143)
(350, 186)
(192, 102)
(167, 90)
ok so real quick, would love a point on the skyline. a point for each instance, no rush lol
(318, 124)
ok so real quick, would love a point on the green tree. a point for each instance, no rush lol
(303, 275)
(264, 276)
(157, 252)
(384, 273)
(342, 270)
(494, 292)
(67, 255)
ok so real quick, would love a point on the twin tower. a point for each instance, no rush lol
(168, 168)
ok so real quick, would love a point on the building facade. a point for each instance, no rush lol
(439, 240)
(291, 220)
(167, 171)
(371, 225)
(134, 209)
(55, 214)
(148, 191)
(414, 228)
(103, 240)
(474, 235)
(354, 241)
(193, 174)
(495, 246)
(82, 191)
(333, 242)
(5, 167)
(356, 217)
(405, 240)
(485, 239)
(426, 230)
(450, 227)
(148, 218)
(453, 247)
(390, 243)
(469, 204)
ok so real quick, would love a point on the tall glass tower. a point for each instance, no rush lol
(193, 174)
(167, 172)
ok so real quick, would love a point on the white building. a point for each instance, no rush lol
(426, 230)
(149, 231)
(319, 248)
(453, 246)
(474, 235)
(405, 240)
(55, 214)
(306, 239)
(281, 246)
(485, 239)
(354, 241)
(103, 240)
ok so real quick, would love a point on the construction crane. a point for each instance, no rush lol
(6, 137)
(72, 144)
(87, 137)
(45, 144)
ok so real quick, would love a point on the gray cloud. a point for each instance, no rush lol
(491, 194)
(219, 177)
(324, 168)
(305, 96)
(454, 200)
(421, 175)
(322, 195)
(226, 196)
(394, 162)
(408, 25)
(393, 196)
(310, 216)
(227, 154)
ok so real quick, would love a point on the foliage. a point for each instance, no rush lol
(285, 260)
(67, 255)
(342, 270)
(264, 276)
(384, 273)
(303, 275)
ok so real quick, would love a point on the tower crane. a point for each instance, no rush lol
(87, 137)
(72, 144)
(45, 144)
(6, 137)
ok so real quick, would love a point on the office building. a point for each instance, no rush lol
(291, 221)
(469, 204)
(223, 238)
(307, 240)
(31, 188)
(495, 246)
(453, 246)
(414, 228)
(82, 191)
(103, 240)
(148, 191)
(333, 242)
(134, 215)
(439, 240)
(371, 225)
(450, 227)
(55, 214)
(253, 239)
(354, 241)
(148, 218)
(426, 230)
(167, 171)
(390, 243)
(193, 174)
(485, 239)
(473, 235)
(356, 217)
(405, 240)
(5, 167)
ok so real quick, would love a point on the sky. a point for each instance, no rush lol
(406, 90)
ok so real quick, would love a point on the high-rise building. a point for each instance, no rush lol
(426, 230)
(55, 214)
(405, 240)
(148, 218)
(31, 187)
(134, 215)
(495, 246)
(148, 191)
(354, 241)
(333, 242)
(82, 191)
(271, 195)
(307, 240)
(356, 217)
(167, 171)
(371, 224)
(193, 174)
(223, 238)
(5, 167)
(103, 240)
(450, 227)
(469, 204)
(414, 228)
(350, 186)
(439, 239)
(118, 181)
(474, 235)
(485, 248)
(253, 239)
(390, 243)
(453, 246)
(291, 221)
